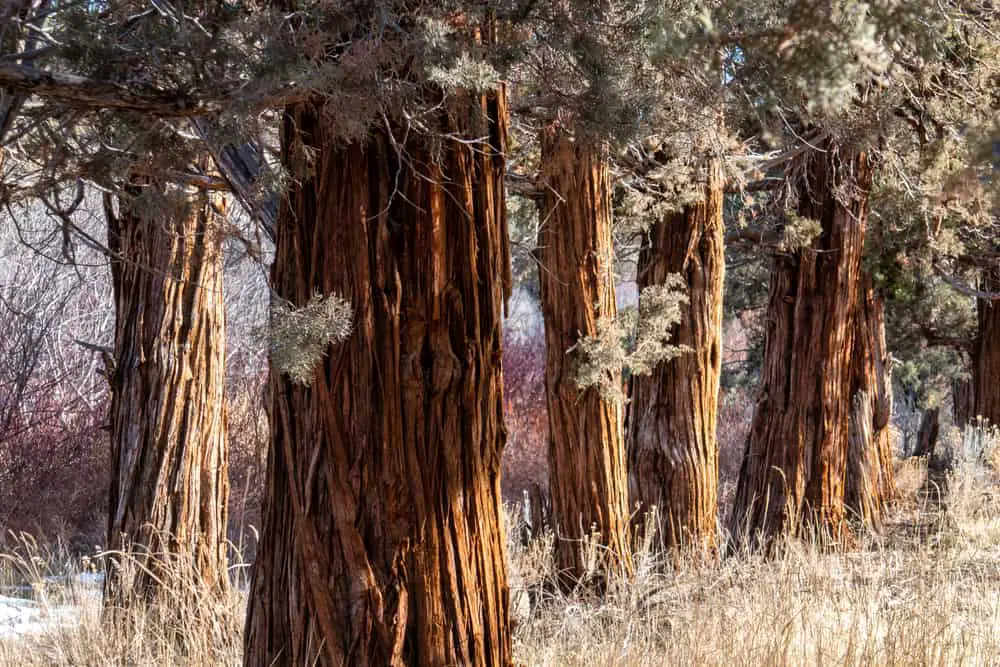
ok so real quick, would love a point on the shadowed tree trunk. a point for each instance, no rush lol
(673, 452)
(169, 483)
(793, 472)
(927, 433)
(869, 485)
(986, 357)
(586, 449)
(382, 539)
(962, 401)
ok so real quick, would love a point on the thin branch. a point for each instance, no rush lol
(961, 287)
(78, 91)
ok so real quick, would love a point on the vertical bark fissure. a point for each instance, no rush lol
(169, 486)
(793, 473)
(673, 451)
(587, 478)
(382, 540)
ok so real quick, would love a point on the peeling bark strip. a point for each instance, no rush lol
(586, 449)
(382, 541)
(792, 477)
(673, 451)
(869, 485)
(169, 485)
(986, 358)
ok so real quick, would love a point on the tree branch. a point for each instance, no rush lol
(958, 285)
(78, 91)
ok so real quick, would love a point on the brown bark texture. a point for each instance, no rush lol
(986, 357)
(869, 485)
(169, 482)
(673, 453)
(382, 539)
(587, 477)
(793, 472)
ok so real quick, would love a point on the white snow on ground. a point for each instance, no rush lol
(21, 616)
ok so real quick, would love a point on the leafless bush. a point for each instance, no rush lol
(525, 459)
(735, 412)
(53, 460)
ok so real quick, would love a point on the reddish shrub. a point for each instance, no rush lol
(54, 476)
(248, 442)
(735, 412)
(525, 460)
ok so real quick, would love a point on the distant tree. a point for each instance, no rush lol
(796, 459)
(673, 452)
(880, 76)
(869, 478)
(986, 352)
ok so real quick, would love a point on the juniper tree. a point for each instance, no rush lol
(570, 74)
(89, 87)
(601, 83)
(382, 540)
(891, 62)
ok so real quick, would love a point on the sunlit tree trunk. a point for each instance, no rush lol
(587, 478)
(169, 483)
(793, 472)
(986, 356)
(869, 484)
(673, 453)
(382, 539)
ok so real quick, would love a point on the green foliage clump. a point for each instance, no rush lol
(300, 337)
(637, 340)
(798, 232)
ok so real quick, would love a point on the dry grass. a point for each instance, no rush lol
(924, 592)
(187, 624)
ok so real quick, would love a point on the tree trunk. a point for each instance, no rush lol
(587, 477)
(927, 434)
(962, 403)
(169, 478)
(869, 485)
(792, 477)
(986, 359)
(382, 540)
(673, 452)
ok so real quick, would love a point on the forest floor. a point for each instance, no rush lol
(924, 590)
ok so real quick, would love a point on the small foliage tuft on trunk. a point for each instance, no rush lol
(300, 337)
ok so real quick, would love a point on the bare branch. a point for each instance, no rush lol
(78, 91)
(961, 287)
